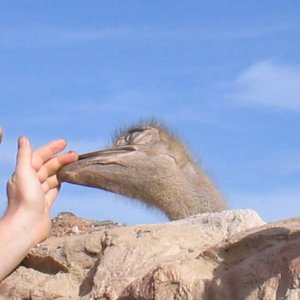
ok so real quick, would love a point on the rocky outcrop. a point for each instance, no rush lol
(226, 255)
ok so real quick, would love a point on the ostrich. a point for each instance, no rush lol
(148, 163)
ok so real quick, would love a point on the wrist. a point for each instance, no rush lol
(17, 235)
(26, 227)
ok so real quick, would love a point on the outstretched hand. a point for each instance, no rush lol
(31, 192)
(33, 187)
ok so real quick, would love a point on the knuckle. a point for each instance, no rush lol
(13, 179)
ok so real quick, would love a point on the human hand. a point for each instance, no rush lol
(34, 186)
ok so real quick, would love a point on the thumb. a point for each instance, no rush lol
(24, 154)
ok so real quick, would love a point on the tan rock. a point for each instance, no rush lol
(226, 255)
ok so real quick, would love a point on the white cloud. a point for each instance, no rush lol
(269, 84)
(45, 37)
(41, 36)
(142, 32)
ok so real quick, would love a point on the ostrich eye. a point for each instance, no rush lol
(133, 135)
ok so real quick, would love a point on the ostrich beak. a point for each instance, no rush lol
(102, 154)
(100, 169)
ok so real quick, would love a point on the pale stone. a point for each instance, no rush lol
(225, 255)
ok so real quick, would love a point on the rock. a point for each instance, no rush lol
(226, 255)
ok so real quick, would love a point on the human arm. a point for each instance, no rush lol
(31, 192)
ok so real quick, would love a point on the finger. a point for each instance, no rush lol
(43, 154)
(50, 197)
(51, 183)
(24, 154)
(53, 165)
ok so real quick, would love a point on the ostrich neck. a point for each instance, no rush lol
(189, 192)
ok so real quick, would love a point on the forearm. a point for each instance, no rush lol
(16, 239)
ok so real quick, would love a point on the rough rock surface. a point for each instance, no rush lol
(227, 255)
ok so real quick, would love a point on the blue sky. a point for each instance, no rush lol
(225, 75)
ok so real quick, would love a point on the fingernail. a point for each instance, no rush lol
(23, 140)
(72, 152)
